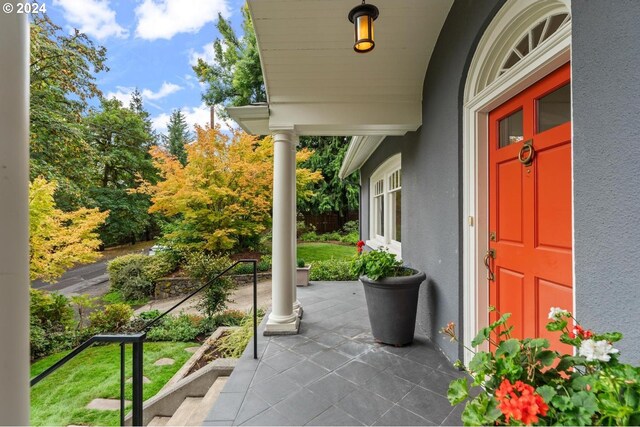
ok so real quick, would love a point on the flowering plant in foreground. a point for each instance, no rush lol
(524, 382)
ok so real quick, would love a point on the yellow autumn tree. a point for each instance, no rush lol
(221, 198)
(58, 240)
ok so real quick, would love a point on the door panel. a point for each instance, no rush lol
(530, 207)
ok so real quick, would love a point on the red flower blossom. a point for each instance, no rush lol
(578, 331)
(520, 402)
(360, 244)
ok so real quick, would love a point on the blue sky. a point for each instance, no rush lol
(151, 45)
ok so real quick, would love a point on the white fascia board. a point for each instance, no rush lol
(359, 151)
(253, 119)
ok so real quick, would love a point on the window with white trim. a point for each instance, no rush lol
(385, 227)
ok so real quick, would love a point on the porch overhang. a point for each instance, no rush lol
(317, 85)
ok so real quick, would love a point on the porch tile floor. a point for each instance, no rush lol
(333, 372)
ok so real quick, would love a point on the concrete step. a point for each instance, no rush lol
(200, 413)
(159, 422)
(185, 411)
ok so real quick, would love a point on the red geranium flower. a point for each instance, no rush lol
(360, 244)
(520, 402)
(578, 331)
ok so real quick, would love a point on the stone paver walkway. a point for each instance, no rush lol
(333, 373)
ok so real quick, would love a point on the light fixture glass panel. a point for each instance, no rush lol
(364, 33)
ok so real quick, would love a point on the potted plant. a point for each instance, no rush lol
(391, 291)
(302, 273)
(525, 382)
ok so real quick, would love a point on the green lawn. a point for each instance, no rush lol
(312, 252)
(60, 399)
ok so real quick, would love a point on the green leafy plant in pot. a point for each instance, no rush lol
(391, 291)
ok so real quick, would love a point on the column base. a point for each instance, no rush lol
(289, 328)
(297, 309)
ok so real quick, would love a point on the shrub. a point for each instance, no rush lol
(351, 227)
(181, 328)
(113, 318)
(52, 322)
(135, 275)
(352, 238)
(265, 263)
(332, 270)
(234, 343)
(229, 318)
(204, 268)
(300, 263)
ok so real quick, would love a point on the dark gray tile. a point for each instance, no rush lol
(272, 350)
(378, 358)
(353, 348)
(315, 331)
(398, 416)
(284, 360)
(389, 386)
(427, 404)
(357, 372)
(332, 387)
(216, 423)
(302, 406)
(438, 382)
(226, 407)
(263, 372)
(305, 372)
(398, 351)
(409, 370)
(308, 348)
(349, 331)
(270, 417)
(252, 406)
(288, 341)
(275, 389)
(239, 381)
(330, 359)
(319, 306)
(455, 417)
(330, 339)
(426, 354)
(364, 406)
(334, 416)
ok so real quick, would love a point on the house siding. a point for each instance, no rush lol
(431, 173)
(606, 168)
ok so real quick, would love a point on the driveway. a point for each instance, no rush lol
(90, 279)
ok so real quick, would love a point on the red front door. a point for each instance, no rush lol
(530, 205)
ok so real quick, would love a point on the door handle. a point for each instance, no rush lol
(491, 254)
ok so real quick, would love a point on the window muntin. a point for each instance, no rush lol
(386, 206)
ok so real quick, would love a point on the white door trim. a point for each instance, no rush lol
(549, 56)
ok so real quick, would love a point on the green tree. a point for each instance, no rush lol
(177, 136)
(121, 140)
(235, 77)
(331, 194)
(62, 72)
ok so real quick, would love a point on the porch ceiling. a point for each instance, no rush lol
(317, 84)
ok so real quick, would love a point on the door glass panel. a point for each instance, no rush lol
(396, 198)
(555, 108)
(379, 215)
(511, 129)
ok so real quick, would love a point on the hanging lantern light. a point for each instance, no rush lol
(362, 16)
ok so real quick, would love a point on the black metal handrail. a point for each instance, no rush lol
(137, 339)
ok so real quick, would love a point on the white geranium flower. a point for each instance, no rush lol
(596, 350)
(556, 312)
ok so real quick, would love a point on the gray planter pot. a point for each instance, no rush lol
(392, 303)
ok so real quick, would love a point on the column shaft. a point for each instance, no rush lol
(282, 319)
(14, 219)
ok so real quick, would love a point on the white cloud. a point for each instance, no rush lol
(207, 54)
(165, 90)
(163, 19)
(200, 115)
(93, 17)
(123, 93)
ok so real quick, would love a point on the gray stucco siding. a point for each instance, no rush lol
(606, 167)
(431, 174)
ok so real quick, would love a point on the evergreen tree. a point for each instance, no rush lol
(177, 136)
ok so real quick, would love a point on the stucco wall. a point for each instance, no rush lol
(606, 162)
(431, 174)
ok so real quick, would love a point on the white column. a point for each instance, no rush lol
(297, 308)
(14, 219)
(282, 319)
